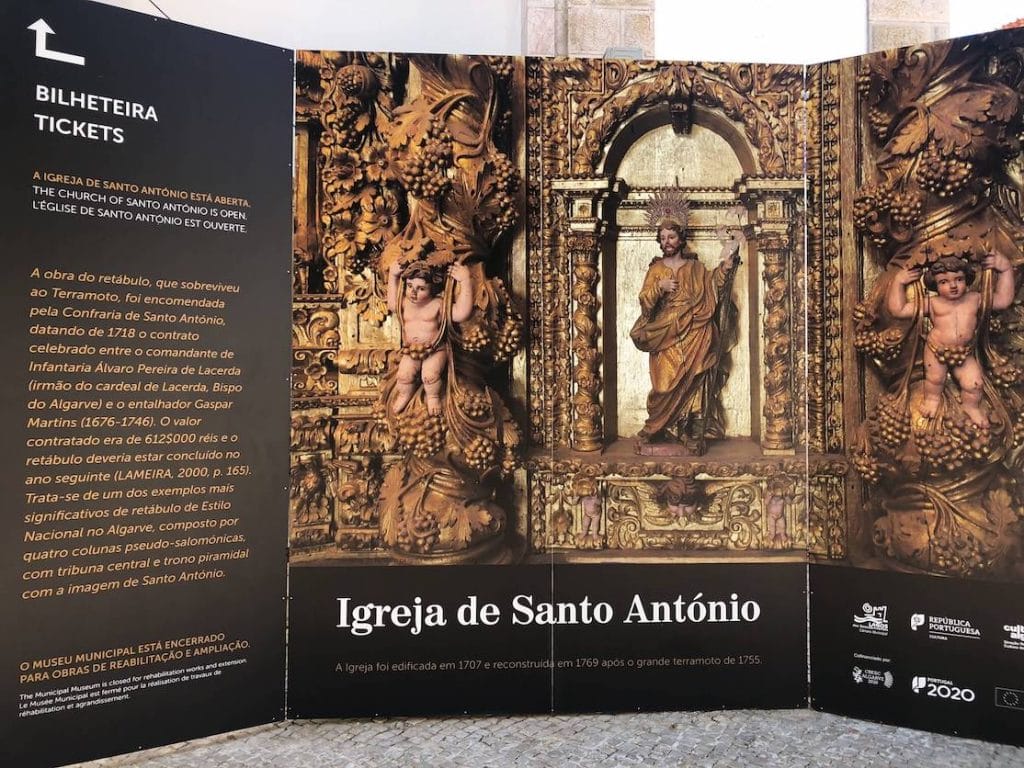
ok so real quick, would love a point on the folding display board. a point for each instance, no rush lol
(916, 225)
(580, 568)
(588, 358)
(144, 214)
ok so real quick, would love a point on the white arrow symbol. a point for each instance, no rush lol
(42, 29)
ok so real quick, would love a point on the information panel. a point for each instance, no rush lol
(582, 359)
(144, 216)
(929, 653)
(532, 638)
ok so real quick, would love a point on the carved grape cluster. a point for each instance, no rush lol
(958, 442)
(865, 209)
(961, 553)
(893, 421)
(866, 464)
(421, 535)
(1018, 431)
(1007, 375)
(509, 338)
(882, 345)
(420, 433)
(475, 337)
(880, 209)
(905, 208)
(424, 170)
(863, 83)
(864, 313)
(939, 450)
(349, 80)
(941, 174)
(501, 66)
(506, 184)
(481, 453)
(476, 404)
(868, 209)
(357, 81)
(975, 442)
(507, 213)
(511, 438)
(879, 121)
(344, 126)
(506, 177)
(508, 463)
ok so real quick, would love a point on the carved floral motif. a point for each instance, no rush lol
(315, 326)
(735, 507)
(314, 373)
(311, 489)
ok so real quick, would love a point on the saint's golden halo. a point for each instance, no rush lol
(667, 206)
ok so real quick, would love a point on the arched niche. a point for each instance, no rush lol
(700, 158)
(708, 164)
(658, 120)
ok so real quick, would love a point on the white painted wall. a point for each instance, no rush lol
(969, 17)
(412, 26)
(783, 31)
(773, 31)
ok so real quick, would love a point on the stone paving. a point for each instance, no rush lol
(783, 738)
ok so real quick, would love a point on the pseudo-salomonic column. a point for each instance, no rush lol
(776, 205)
(588, 205)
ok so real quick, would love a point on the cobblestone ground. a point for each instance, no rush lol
(789, 738)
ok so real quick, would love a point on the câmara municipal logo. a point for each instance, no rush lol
(872, 619)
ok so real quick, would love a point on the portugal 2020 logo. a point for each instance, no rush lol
(941, 689)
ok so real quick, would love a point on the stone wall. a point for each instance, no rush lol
(895, 23)
(588, 27)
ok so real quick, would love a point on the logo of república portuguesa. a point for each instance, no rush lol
(872, 620)
(1014, 639)
(944, 627)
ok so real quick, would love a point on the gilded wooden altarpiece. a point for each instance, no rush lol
(535, 174)
(605, 138)
(929, 140)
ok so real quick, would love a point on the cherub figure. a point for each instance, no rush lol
(421, 313)
(954, 312)
(681, 498)
(777, 533)
(586, 489)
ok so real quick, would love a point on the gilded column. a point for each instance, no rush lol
(775, 201)
(779, 423)
(589, 205)
(588, 422)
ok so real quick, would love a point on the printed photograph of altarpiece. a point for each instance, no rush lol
(915, 347)
(549, 309)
